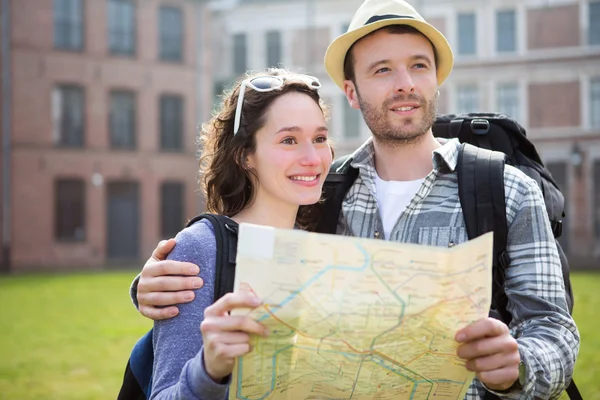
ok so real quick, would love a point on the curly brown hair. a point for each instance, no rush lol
(226, 181)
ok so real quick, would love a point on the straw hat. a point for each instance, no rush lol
(375, 14)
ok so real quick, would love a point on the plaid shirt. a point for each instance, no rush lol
(547, 336)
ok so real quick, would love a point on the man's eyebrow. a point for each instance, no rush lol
(416, 57)
(376, 63)
(421, 57)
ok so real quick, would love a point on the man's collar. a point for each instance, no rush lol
(365, 155)
(445, 158)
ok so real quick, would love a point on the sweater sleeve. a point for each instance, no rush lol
(179, 371)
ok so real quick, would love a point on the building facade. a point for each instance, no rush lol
(539, 62)
(535, 60)
(103, 112)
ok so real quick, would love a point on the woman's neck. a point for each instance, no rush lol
(279, 215)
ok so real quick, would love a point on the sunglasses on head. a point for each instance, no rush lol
(268, 83)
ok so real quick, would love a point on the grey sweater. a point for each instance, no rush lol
(179, 371)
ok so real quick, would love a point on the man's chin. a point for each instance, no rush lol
(402, 137)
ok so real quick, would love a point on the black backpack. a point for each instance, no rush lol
(137, 380)
(481, 192)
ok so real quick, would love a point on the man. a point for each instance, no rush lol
(390, 65)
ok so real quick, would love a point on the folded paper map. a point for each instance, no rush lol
(355, 318)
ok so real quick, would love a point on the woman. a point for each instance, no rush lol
(265, 154)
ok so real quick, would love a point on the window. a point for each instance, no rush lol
(351, 123)
(121, 27)
(466, 34)
(239, 53)
(67, 114)
(219, 88)
(507, 96)
(595, 103)
(171, 34)
(594, 23)
(506, 31)
(122, 120)
(171, 123)
(68, 24)
(467, 99)
(69, 218)
(273, 48)
(172, 219)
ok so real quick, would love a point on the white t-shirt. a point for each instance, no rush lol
(392, 199)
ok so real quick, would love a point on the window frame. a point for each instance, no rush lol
(169, 36)
(461, 50)
(501, 97)
(513, 47)
(65, 207)
(121, 95)
(167, 122)
(593, 36)
(67, 94)
(67, 22)
(461, 95)
(594, 102)
(168, 215)
(240, 53)
(274, 48)
(350, 115)
(117, 32)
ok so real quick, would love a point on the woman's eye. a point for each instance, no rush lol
(420, 65)
(288, 140)
(321, 139)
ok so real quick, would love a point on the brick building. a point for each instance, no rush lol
(536, 60)
(104, 98)
(99, 126)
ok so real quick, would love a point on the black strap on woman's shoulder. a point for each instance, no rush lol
(226, 235)
(339, 180)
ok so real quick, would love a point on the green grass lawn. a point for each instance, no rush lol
(68, 337)
(587, 301)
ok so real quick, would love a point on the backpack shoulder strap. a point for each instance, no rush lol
(137, 379)
(339, 180)
(482, 199)
(226, 235)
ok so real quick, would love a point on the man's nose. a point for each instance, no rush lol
(403, 82)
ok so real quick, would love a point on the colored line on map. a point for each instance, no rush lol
(318, 275)
(273, 375)
(380, 360)
(436, 274)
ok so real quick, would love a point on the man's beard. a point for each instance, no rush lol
(409, 130)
